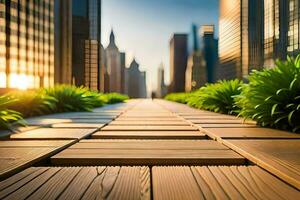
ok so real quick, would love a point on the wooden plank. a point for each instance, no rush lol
(53, 133)
(174, 119)
(128, 183)
(147, 152)
(217, 121)
(280, 157)
(148, 135)
(232, 182)
(17, 155)
(149, 123)
(45, 121)
(227, 125)
(149, 128)
(78, 125)
(92, 121)
(250, 133)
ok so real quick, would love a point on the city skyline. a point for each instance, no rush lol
(136, 24)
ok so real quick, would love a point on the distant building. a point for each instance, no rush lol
(63, 41)
(86, 43)
(162, 89)
(210, 52)
(196, 72)
(26, 44)
(123, 67)
(178, 62)
(113, 66)
(240, 37)
(136, 81)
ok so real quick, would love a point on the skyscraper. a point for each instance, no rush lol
(240, 38)
(276, 23)
(123, 67)
(178, 62)
(136, 81)
(113, 66)
(196, 71)
(26, 44)
(161, 86)
(210, 51)
(63, 41)
(86, 56)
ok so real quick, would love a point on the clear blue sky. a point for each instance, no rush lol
(143, 28)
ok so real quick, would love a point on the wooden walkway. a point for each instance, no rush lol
(148, 149)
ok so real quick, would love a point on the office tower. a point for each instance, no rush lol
(276, 24)
(210, 52)
(113, 65)
(293, 47)
(178, 62)
(123, 67)
(86, 43)
(240, 37)
(193, 40)
(196, 72)
(136, 81)
(161, 86)
(26, 44)
(63, 41)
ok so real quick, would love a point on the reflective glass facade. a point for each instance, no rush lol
(241, 38)
(86, 43)
(27, 43)
(276, 28)
(293, 30)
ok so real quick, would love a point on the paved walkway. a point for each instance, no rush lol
(148, 149)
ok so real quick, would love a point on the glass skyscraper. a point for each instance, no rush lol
(26, 43)
(241, 37)
(87, 43)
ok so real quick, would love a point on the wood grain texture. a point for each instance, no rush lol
(233, 182)
(149, 128)
(280, 157)
(146, 152)
(149, 135)
(250, 133)
(72, 183)
(149, 123)
(78, 125)
(217, 121)
(226, 125)
(53, 133)
(17, 155)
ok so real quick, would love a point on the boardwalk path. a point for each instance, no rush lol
(149, 150)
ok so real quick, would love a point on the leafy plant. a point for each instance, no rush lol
(32, 103)
(70, 98)
(7, 116)
(272, 97)
(112, 98)
(178, 97)
(217, 97)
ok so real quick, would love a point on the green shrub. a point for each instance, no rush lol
(32, 103)
(71, 99)
(272, 97)
(217, 97)
(112, 98)
(7, 116)
(178, 97)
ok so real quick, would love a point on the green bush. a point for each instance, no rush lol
(178, 97)
(112, 98)
(7, 116)
(218, 97)
(71, 99)
(32, 103)
(272, 97)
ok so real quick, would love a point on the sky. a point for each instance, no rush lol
(143, 28)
